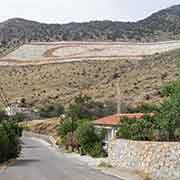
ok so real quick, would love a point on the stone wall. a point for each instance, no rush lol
(160, 160)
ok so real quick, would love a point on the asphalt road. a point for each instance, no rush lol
(39, 161)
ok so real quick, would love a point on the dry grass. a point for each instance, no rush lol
(62, 82)
(45, 126)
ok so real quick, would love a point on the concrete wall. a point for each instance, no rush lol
(160, 160)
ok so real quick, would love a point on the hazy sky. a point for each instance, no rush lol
(63, 11)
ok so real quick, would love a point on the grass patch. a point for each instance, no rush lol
(105, 165)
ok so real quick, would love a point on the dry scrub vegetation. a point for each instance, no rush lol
(140, 80)
(45, 126)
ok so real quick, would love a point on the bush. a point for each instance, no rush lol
(89, 139)
(18, 117)
(85, 107)
(3, 116)
(4, 142)
(143, 108)
(49, 111)
(177, 134)
(171, 89)
(96, 150)
(9, 140)
(137, 129)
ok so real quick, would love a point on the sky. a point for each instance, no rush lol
(64, 11)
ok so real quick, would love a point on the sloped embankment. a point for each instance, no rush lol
(45, 127)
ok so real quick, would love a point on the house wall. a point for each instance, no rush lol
(160, 160)
(110, 132)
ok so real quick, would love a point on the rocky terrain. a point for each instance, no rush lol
(139, 80)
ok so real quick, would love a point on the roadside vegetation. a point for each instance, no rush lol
(163, 126)
(10, 132)
(52, 110)
(76, 130)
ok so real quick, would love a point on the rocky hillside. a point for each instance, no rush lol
(163, 25)
(139, 80)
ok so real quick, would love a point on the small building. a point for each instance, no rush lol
(14, 108)
(110, 123)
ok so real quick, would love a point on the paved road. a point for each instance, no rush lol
(39, 161)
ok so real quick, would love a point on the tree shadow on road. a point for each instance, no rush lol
(31, 147)
(25, 162)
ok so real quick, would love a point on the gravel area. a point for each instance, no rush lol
(78, 51)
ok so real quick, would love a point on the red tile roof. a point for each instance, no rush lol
(116, 118)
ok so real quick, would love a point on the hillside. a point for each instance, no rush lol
(141, 69)
(140, 80)
(163, 25)
(73, 51)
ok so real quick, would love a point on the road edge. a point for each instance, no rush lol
(123, 174)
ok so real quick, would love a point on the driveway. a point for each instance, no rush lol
(39, 161)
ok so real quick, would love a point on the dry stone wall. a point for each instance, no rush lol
(160, 160)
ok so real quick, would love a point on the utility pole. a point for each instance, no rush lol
(119, 99)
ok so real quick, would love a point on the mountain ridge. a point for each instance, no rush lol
(160, 26)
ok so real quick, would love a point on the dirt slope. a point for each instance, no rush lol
(140, 80)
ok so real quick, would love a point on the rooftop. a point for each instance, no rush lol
(116, 118)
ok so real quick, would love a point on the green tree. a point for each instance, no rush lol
(66, 131)
(89, 139)
(66, 126)
(168, 120)
(84, 107)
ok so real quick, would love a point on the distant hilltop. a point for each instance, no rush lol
(160, 26)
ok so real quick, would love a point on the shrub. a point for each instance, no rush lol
(4, 142)
(105, 165)
(9, 140)
(171, 89)
(143, 108)
(96, 150)
(18, 117)
(3, 116)
(177, 134)
(137, 129)
(85, 107)
(89, 139)
(49, 111)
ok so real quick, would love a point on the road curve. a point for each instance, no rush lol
(39, 161)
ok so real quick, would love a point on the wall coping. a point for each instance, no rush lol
(149, 142)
